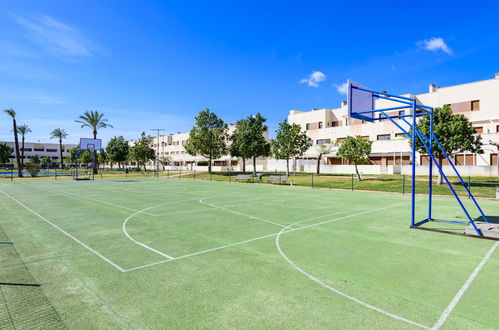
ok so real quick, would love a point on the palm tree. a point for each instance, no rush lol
(95, 121)
(60, 134)
(23, 130)
(12, 113)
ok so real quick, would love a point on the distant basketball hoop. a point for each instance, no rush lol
(92, 145)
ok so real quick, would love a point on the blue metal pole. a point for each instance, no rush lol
(422, 137)
(413, 188)
(430, 181)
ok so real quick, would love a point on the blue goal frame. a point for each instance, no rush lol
(362, 105)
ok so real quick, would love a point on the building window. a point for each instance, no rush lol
(323, 141)
(365, 137)
(320, 124)
(307, 126)
(25, 149)
(39, 149)
(479, 129)
(334, 124)
(340, 140)
(383, 137)
(475, 105)
(401, 112)
(400, 135)
(51, 150)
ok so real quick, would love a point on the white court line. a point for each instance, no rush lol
(311, 277)
(123, 228)
(239, 213)
(66, 233)
(232, 244)
(202, 252)
(463, 289)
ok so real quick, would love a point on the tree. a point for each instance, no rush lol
(23, 130)
(59, 134)
(5, 152)
(45, 162)
(33, 165)
(208, 137)
(454, 131)
(95, 121)
(356, 150)
(84, 156)
(495, 144)
(102, 157)
(12, 114)
(290, 141)
(322, 149)
(141, 152)
(248, 140)
(117, 150)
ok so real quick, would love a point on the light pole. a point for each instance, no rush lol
(157, 150)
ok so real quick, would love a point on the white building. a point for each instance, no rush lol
(41, 149)
(478, 101)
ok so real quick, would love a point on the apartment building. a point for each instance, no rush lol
(173, 147)
(41, 149)
(478, 101)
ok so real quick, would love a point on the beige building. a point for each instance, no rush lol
(41, 149)
(478, 101)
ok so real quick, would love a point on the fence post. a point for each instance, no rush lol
(469, 186)
(168, 173)
(352, 181)
(312, 179)
(403, 184)
(180, 175)
(210, 176)
(194, 174)
(230, 176)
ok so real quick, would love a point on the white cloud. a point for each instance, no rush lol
(56, 37)
(435, 44)
(342, 89)
(314, 79)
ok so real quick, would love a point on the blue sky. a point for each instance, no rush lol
(155, 64)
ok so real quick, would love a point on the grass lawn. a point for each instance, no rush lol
(177, 253)
(480, 187)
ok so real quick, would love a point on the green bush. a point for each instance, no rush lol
(32, 168)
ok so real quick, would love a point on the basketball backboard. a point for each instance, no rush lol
(360, 100)
(90, 144)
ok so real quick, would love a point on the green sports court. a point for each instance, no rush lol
(182, 253)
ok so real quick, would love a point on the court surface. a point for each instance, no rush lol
(177, 253)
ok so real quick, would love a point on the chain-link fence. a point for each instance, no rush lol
(479, 187)
(23, 304)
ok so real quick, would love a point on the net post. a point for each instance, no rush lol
(430, 179)
(413, 179)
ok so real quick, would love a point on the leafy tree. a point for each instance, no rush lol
(322, 149)
(356, 150)
(84, 156)
(12, 114)
(117, 150)
(141, 152)
(248, 140)
(59, 134)
(5, 152)
(102, 157)
(33, 165)
(95, 121)
(454, 131)
(208, 137)
(23, 130)
(290, 141)
(35, 159)
(45, 162)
